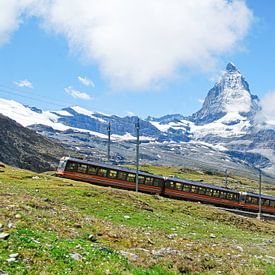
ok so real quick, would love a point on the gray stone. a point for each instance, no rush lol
(4, 236)
(11, 260)
(76, 256)
(14, 255)
(92, 238)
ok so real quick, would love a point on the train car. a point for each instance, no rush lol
(122, 177)
(251, 202)
(109, 175)
(197, 191)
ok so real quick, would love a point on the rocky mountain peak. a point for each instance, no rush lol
(231, 67)
(230, 94)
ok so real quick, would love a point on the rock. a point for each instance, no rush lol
(1, 225)
(35, 178)
(239, 248)
(126, 217)
(18, 216)
(92, 238)
(76, 256)
(150, 241)
(14, 255)
(172, 236)
(130, 256)
(213, 236)
(11, 260)
(4, 236)
(10, 225)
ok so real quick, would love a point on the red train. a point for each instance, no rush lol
(121, 177)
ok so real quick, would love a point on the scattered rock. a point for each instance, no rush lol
(14, 255)
(76, 256)
(213, 236)
(150, 241)
(130, 256)
(35, 178)
(126, 217)
(10, 225)
(92, 238)
(4, 236)
(239, 248)
(18, 216)
(172, 236)
(11, 260)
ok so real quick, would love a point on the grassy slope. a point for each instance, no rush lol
(135, 233)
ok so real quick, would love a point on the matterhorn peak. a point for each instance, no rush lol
(230, 94)
(231, 67)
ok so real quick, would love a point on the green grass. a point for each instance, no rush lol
(135, 233)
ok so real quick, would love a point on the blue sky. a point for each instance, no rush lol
(52, 59)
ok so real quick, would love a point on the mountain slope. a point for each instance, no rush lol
(24, 148)
(230, 95)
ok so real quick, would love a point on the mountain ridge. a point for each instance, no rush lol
(227, 121)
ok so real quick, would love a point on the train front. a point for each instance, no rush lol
(61, 166)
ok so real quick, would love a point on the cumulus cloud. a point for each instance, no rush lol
(24, 83)
(86, 81)
(77, 94)
(267, 113)
(138, 43)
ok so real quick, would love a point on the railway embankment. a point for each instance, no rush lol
(52, 225)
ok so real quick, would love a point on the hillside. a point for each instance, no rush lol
(60, 226)
(22, 147)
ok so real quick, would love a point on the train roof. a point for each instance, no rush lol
(184, 181)
(115, 167)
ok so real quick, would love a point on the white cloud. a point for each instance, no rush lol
(77, 94)
(267, 113)
(86, 81)
(138, 43)
(24, 83)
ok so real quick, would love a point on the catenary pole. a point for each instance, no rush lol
(137, 153)
(226, 175)
(109, 141)
(260, 195)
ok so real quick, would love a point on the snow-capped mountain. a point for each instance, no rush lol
(230, 96)
(225, 124)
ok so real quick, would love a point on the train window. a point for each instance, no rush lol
(141, 179)
(121, 175)
(112, 174)
(157, 182)
(201, 190)
(71, 166)
(272, 204)
(168, 184)
(102, 172)
(222, 194)
(178, 186)
(194, 189)
(148, 181)
(208, 192)
(131, 177)
(229, 196)
(186, 188)
(265, 202)
(216, 193)
(82, 168)
(252, 200)
(91, 170)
